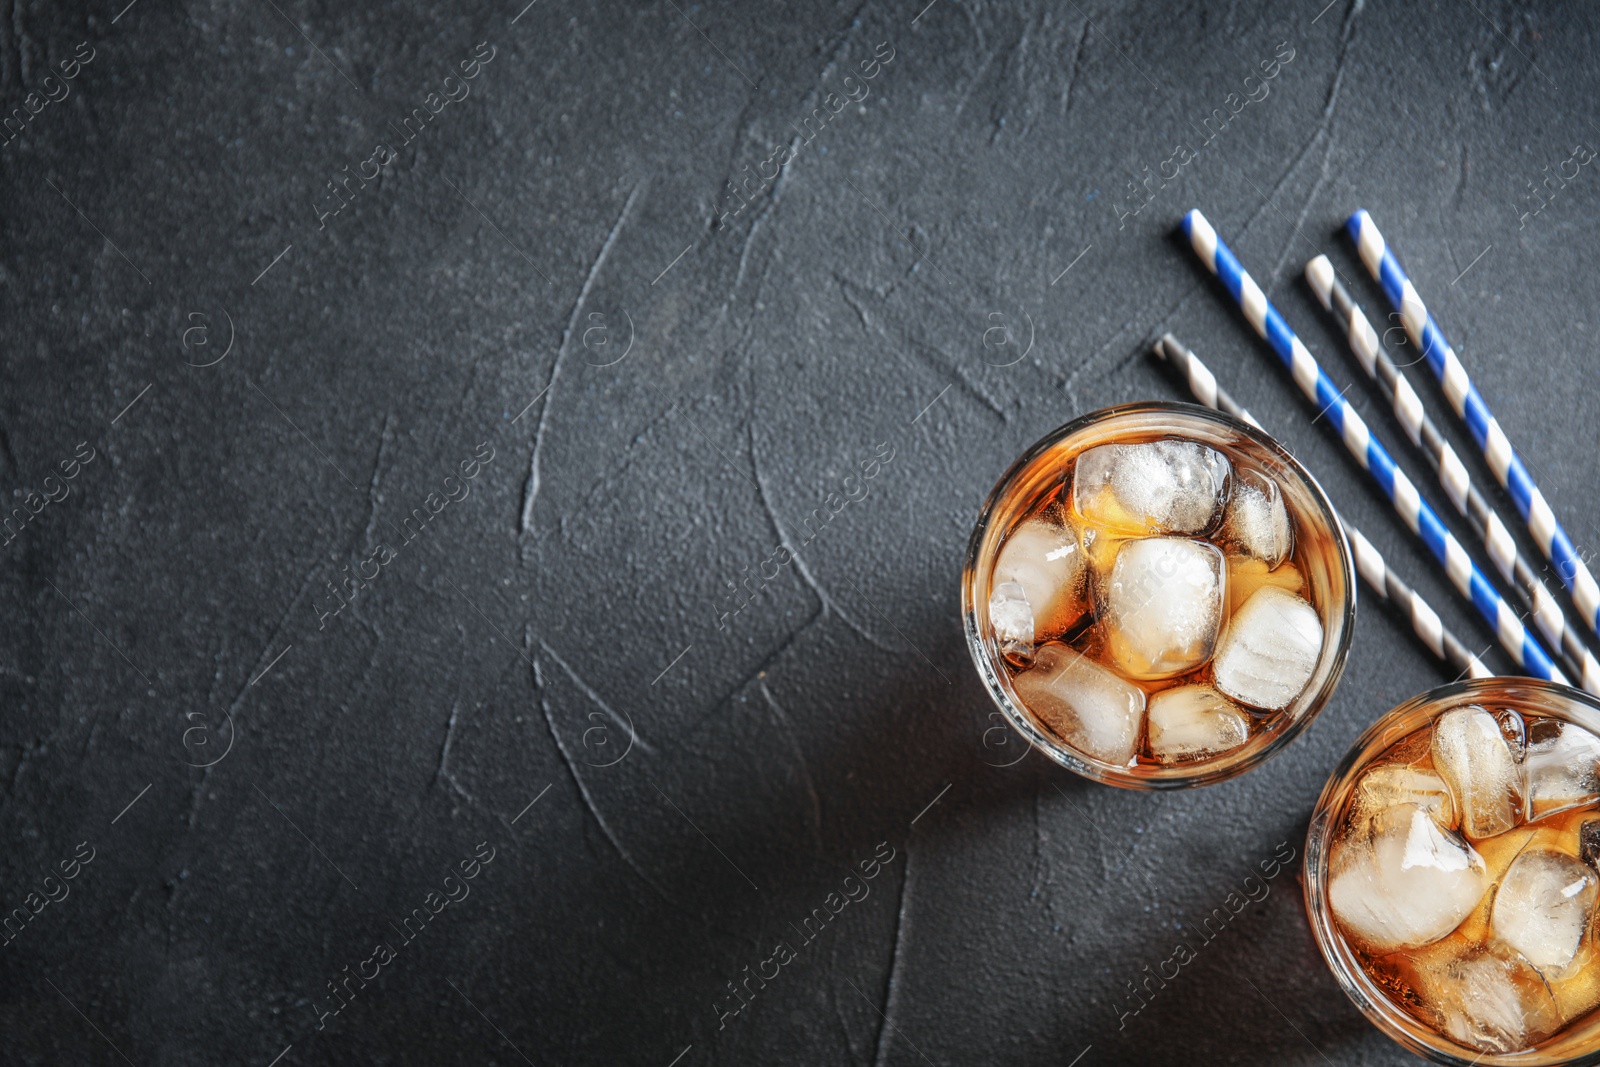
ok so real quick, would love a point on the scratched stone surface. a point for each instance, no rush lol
(487, 488)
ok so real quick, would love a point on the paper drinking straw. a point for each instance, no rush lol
(1523, 647)
(1453, 477)
(1469, 406)
(1369, 561)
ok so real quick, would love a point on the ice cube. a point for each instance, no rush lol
(1161, 606)
(1515, 730)
(1269, 649)
(1560, 770)
(1012, 618)
(1086, 705)
(1256, 522)
(1047, 563)
(1403, 880)
(1471, 755)
(1389, 784)
(1543, 905)
(1483, 998)
(1174, 487)
(1193, 720)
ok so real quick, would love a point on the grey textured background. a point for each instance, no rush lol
(702, 782)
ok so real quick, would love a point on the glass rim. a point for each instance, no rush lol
(1560, 701)
(1180, 775)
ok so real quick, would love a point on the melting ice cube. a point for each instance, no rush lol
(1161, 606)
(1471, 755)
(1045, 564)
(1269, 650)
(1012, 618)
(1193, 720)
(1543, 905)
(1484, 998)
(1256, 522)
(1086, 705)
(1390, 784)
(1155, 487)
(1403, 880)
(1560, 770)
(1515, 730)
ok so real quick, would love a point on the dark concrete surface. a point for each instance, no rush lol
(549, 286)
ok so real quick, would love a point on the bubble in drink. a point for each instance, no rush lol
(1161, 606)
(1174, 487)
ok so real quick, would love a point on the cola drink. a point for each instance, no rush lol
(1452, 873)
(1158, 595)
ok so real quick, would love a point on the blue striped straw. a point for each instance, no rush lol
(1523, 647)
(1485, 521)
(1469, 406)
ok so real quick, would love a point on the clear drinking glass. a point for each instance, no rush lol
(1040, 483)
(1469, 989)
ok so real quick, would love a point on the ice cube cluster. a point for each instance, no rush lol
(1467, 872)
(1152, 610)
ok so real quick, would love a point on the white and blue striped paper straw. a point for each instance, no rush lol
(1523, 647)
(1469, 406)
(1485, 521)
